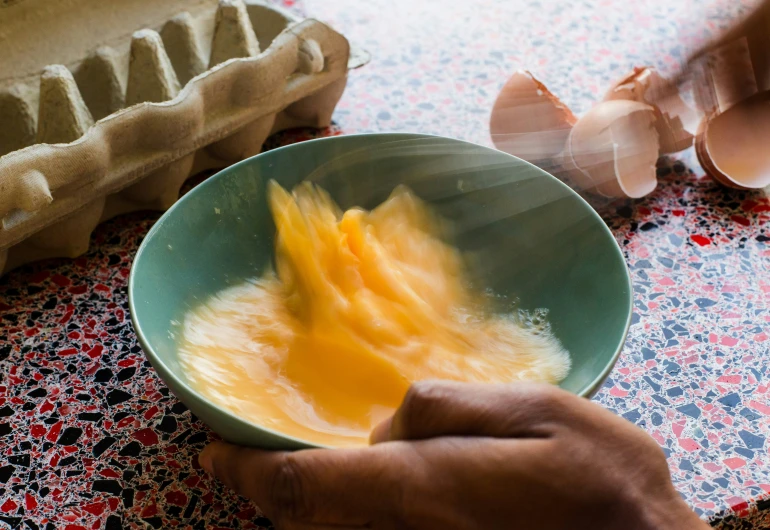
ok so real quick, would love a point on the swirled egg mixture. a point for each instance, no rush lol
(359, 305)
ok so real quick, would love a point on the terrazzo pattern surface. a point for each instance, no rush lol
(91, 438)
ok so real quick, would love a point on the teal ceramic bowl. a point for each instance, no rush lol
(536, 241)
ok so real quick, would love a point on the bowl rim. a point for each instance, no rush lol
(165, 372)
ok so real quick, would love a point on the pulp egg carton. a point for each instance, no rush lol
(108, 107)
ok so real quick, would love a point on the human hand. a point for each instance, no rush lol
(470, 457)
(728, 68)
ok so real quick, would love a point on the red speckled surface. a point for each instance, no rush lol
(92, 439)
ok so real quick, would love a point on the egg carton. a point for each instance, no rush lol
(140, 96)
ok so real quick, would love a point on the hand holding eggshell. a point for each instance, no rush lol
(613, 148)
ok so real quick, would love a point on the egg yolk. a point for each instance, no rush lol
(360, 304)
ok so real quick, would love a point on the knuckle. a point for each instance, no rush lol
(549, 398)
(288, 500)
(420, 399)
(541, 407)
(425, 393)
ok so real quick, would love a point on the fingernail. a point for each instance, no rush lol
(381, 433)
(206, 461)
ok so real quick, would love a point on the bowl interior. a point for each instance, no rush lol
(535, 241)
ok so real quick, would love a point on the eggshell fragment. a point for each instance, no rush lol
(733, 146)
(613, 149)
(528, 121)
(675, 121)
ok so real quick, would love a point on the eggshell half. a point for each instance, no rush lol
(734, 147)
(528, 121)
(675, 121)
(614, 148)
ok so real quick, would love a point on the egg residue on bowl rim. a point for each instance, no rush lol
(359, 305)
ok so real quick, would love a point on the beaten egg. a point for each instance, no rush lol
(359, 304)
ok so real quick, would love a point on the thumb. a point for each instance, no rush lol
(442, 408)
(341, 487)
(231, 464)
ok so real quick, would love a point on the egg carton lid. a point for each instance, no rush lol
(36, 33)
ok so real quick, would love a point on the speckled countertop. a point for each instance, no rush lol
(92, 439)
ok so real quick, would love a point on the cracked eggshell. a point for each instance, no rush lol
(528, 121)
(732, 146)
(676, 122)
(613, 149)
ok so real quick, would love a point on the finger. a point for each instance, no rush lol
(349, 487)
(734, 66)
(433, 409)
(754, 28)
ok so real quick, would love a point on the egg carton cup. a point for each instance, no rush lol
(128, 115)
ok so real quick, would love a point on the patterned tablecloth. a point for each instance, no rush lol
(91, 438)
